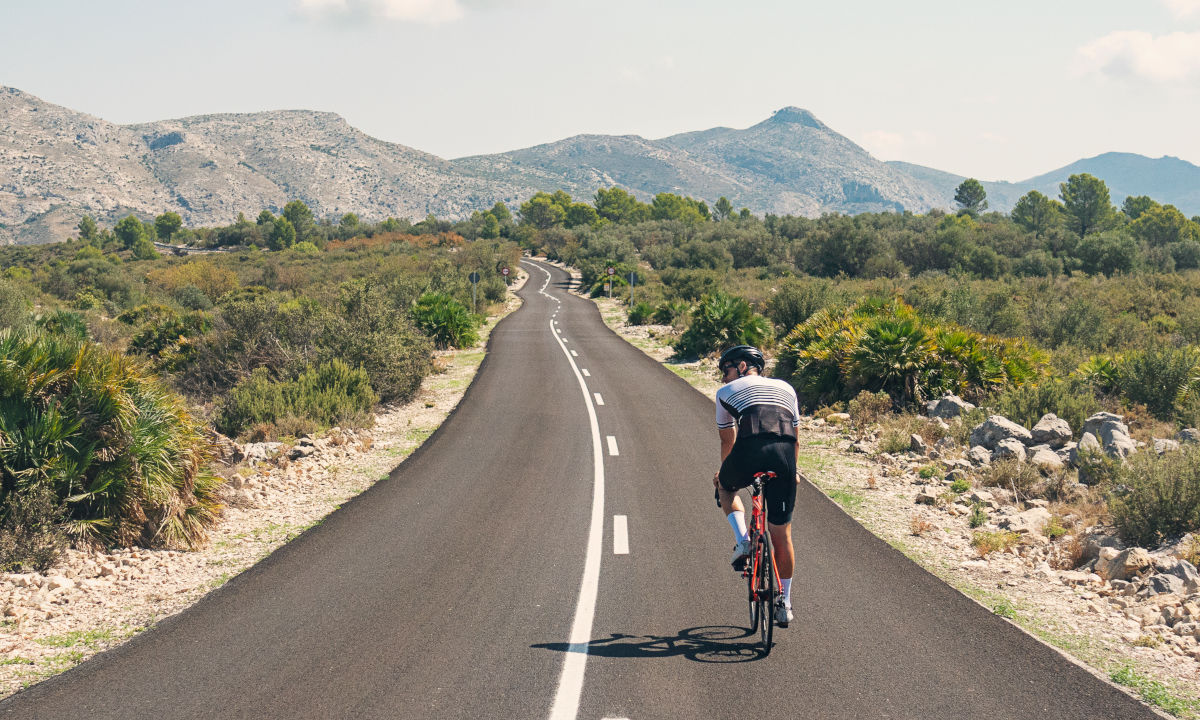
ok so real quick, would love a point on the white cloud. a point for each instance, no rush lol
(1183, 8)
(417, 11)
(1138, 55)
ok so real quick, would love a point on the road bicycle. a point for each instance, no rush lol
(762, 576)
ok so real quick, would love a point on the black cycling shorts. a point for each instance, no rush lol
(755, 455)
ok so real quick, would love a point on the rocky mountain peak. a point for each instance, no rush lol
(792, 115)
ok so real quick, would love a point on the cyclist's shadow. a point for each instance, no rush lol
(707, 644)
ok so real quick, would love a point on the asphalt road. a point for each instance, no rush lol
(480, 581)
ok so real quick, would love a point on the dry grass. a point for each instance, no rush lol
(987, 542)
(919, 525)
(1012, 474)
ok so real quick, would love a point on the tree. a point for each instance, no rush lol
(1134, 206)
(501, 211)
(348, 222)
(971, 197)
(87, 228)
(283, 234)
(1086, 200)
(265, 217)
(143, 249)
(1036, 213)
(668, 206)
(542, 212)
(723, 208)
(129, 230)
(617, 205)
(300, 217)
(1109, 253)
(581, 213)
(167, 225)
(1162, 225)
(490, 229)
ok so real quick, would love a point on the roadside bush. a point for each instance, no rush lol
(720, 321)
(797, 300)
(1071, 399)
(1156, 497)
(987, 542)
(1012, 474)
(331, 394)
(670, 312)
(123, 455)
(1159, 377)
(170, 333)
(640, 313)
(66, 323)
(446, 321)
(868, 408)
(14, 312)
(31, 536)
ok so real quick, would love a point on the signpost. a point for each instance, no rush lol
(474, 278)
(504, 272)
(608, 286)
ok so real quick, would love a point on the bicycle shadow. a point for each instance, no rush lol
(706, 644)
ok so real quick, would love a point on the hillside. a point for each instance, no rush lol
(57, 164)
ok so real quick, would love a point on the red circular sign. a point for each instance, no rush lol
(612, 271)
(504, 271)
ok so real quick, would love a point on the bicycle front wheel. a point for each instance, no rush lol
(751, 588)
(766, 596)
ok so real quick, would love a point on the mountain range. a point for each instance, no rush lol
(57, 164)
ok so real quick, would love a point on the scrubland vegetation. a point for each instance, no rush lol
(117, 362)
(294, 323)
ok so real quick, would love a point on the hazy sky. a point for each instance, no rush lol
(1000, 91)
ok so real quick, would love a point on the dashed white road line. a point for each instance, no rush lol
(574, 354)
(586, 373)
(599, 400)
(620, 535)
(612, 445)
(570, 683)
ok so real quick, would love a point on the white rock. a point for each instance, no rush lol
(1052, 430)
(1009, 448)
(1047, 460)
(997, 428)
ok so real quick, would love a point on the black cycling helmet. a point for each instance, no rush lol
(752, 355)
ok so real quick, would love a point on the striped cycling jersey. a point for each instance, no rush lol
(758, 406)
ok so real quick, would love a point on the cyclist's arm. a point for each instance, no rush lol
(728, 435)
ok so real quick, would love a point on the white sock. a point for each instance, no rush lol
(737, 520)
(785, 589)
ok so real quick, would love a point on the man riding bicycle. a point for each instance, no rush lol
(757, 419)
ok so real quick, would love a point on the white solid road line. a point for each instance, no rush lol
(570, 683)
(612, 445)
(620, 535)
(586, 373)
(599, 400)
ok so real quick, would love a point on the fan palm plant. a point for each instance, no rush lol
(122, 453)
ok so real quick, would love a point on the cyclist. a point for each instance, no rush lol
(757, 419)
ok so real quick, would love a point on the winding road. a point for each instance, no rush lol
(553, 550)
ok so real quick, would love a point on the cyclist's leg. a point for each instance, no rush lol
(785, 553)
(780, 498)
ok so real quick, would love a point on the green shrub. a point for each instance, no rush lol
(31, 536)
(446, 321)
(1071, 399)
(640, 313)
(331, 394)
(171, 333)
(987, 542)
(14, 311)
(1157, 497)
(797, 300)
(867, 407)
(1159, 377)
(124, 455)
(960, 485)
(978, 516)
(668, 313)
(720, 321)
(65, 323)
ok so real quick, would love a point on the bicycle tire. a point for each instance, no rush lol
(751, 595)
(767, 628)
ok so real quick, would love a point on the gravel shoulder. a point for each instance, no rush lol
(1114, 635)
(93, 600)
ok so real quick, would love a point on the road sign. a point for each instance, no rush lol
(474, 277)
(612, 271)
(504, 271)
